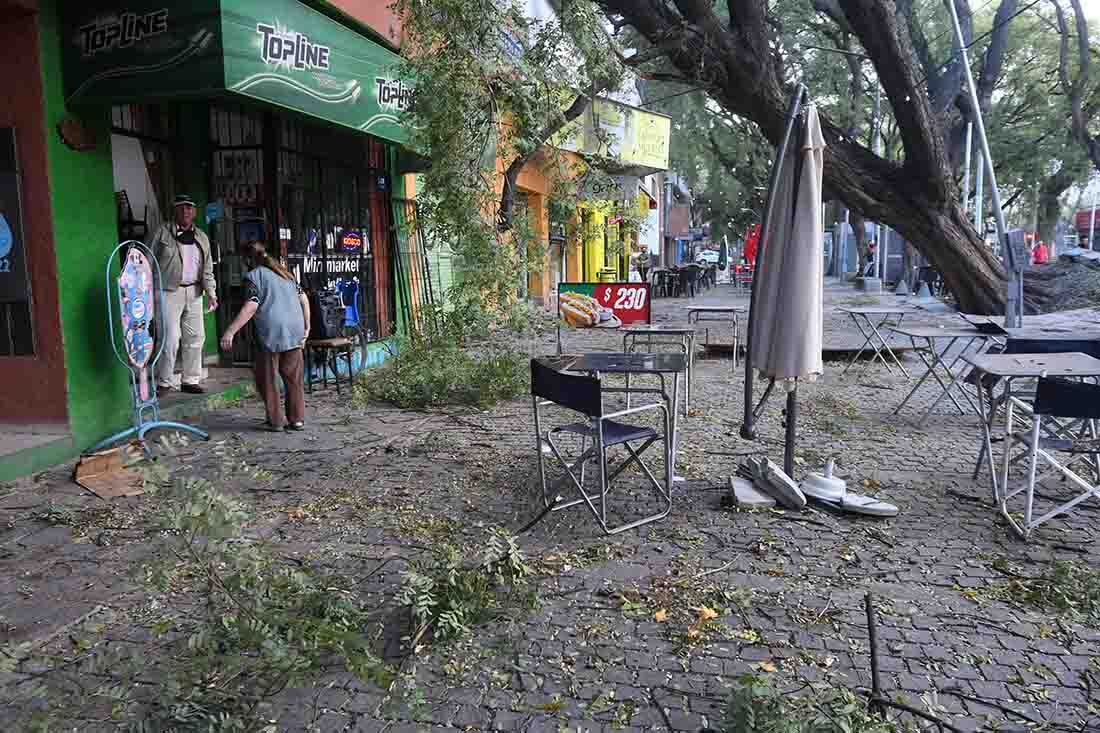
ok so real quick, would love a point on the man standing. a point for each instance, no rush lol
(643, 265)
(187, 272)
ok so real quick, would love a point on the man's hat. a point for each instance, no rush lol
(183, 200)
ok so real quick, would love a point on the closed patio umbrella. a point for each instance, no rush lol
(786, 344)
(785, 321)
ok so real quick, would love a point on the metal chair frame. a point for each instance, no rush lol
(594, 430)
(1052, 430)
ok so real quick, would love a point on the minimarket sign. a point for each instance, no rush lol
(277, 51)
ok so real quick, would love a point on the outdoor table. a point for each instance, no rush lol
(696, 314)
(864, 317)
(597, 363)
(952, 335)
(1009, 368)
(682, 336)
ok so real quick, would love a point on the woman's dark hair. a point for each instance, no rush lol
(256, 251)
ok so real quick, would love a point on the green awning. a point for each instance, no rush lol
(278, 51)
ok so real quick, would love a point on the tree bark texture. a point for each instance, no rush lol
(735, 65)
(1050, 205)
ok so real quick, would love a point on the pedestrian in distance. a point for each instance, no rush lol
(281, 312)
(186, 274)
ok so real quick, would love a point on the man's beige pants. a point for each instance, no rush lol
(184, 334)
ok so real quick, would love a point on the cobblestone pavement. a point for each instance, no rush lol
(366, 489)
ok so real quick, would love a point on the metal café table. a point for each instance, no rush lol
(1010, 368)
(864, 316)
(681, 336)
(660, 365)
(929, 335)
(729, 313)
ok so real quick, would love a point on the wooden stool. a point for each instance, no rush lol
(330, 351)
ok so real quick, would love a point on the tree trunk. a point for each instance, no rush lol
(918, 198)
(1050, 194)
(1050, 208)
(908, 254)
(859, 233)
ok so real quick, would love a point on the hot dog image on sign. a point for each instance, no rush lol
(603, 305)
(583, 311)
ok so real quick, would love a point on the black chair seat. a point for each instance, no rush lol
(614, 433)
(1063, 398)
(1069, 445)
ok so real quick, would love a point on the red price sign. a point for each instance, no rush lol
(599, 305)
(628, 301)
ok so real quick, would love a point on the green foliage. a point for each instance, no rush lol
(261, 626)
(437, 370)
(1071, 588)
(447, 596)
(756, 706)
(439, 363)
(232, 625)
(493, 84)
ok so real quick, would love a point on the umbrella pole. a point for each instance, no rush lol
(791, 424)
(748, 428)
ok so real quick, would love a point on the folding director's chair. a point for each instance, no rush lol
(583, 394)
(1064, 419)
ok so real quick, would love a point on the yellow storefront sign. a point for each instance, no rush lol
(634, 137)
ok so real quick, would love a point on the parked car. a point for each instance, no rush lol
(707, 257)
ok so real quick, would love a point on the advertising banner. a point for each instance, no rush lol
(636, 138)
(293, 56)
(278, 51)
(142, 49)
(604, 305)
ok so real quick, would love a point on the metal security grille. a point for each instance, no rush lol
(333, 221)
(238, 137)
(416, 286)
(324, 195)
(237, 166)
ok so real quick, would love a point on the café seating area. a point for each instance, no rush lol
(682, 281)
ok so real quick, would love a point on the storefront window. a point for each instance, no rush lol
(16, 334)
(329, 217)
(333, 226)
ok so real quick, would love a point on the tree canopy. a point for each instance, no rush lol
(725, 72)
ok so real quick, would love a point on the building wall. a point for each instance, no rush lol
(85, 232)
(679, 221)
(375, 14)
(21, 108)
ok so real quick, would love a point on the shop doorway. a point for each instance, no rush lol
(142, 163)
(319, 197)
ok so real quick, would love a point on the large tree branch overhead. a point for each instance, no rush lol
(1074, 89)
(734, 64)
(506, 211)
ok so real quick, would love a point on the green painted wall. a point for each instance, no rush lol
(82, 197)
